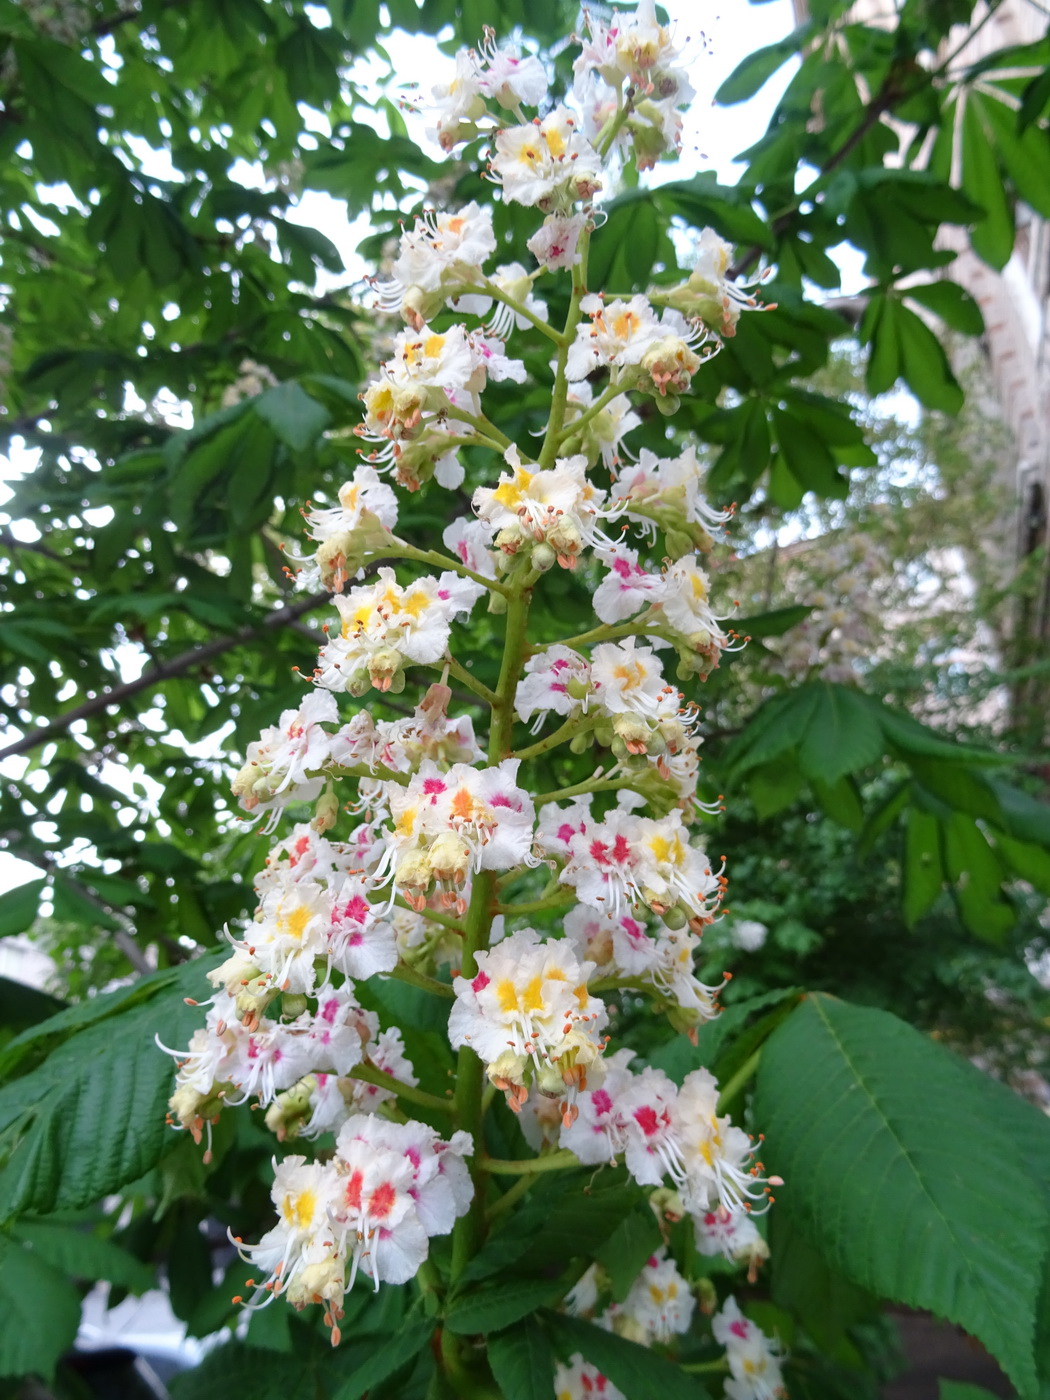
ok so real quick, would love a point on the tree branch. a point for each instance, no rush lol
(177, 666)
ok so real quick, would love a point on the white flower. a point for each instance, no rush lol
(360, 943)
(384, 626)
(659, 1304)
(528, 1015)
(556, 680)
(753, 1360)
(299, 1255)
(468, 540)
(602, 436)
(627, 588)
(555, 243)
(508, 78)
(628, 678)
(546, 162)
(558, 507)
(437, 257)
(459, 104)
(582, 1381)
(731, 1233)
(278, 762)
(362, 496)
(666, 491)
(559, 825)
(709, 292)
(618, 335)
(400, 1184)
(448, 824)
(715, 1156)
(513, 280)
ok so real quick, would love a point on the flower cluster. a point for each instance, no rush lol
(420, 849)
(754, 1364)
(374, 1206)
(669, 1133)
(528, 1014)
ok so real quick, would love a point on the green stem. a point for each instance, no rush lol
(482, 426)
(446, 561)
(578, 790)
(369, 1075)
(576, 724)
(607, 633)
(404, 973)
(445, 920)
(743, 1074)
(611, 392)
(465, 678)
(564, 1160)
(362, 770)
(611, 129)
(511, 1197)
(556, 422)
(537, 906)
(520, 309)
(700, 1368)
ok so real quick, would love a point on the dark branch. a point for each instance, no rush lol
(177, 666)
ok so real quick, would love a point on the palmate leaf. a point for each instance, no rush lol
(90, 1117)
(914, 1176)
(522, 1361)
(39, 1312)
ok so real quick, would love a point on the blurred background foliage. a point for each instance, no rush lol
(181, 360)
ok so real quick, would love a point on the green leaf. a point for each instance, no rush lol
(842, 734)
(394, 1353)
(955, 307)
(824, 1302)
(962, 1390)
(296, 418)
(264, 1374)
(640, 1372)
(522, 1361)
(39, 1312)
(1025, 154)
(772, 624)
(898, 1171)
(923, 873)
(82, 1255)
(924, 365)
(499, 1305)
(18, 907)
(755, 70)
(90, 1118)
(628, 1249)
(773, 787)
(993, 236)
(841, 801)
(879, 330)
(1035, 99)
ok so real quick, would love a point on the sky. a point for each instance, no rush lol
(712, 137)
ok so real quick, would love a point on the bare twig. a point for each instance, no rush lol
(177, 666)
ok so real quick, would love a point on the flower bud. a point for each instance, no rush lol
(543, 556)
(286, 1114)
(669, 366)
(450, 858)
(384, 666)
(675, 918)
(293, 1004)
(326, 813)
(678, 544)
